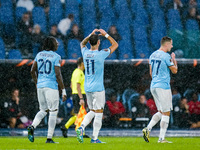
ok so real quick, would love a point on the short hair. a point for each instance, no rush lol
(71, 16)
(79, 61)
(165, 39)
(93, 39)
(49, 43)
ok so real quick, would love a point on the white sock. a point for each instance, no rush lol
(97, 125)
(51, 123)
(154, 120)
(163, 126)
(88, 117)
(39, 116)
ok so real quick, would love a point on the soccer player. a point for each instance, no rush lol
(47, 65)
(78, 93)
(94, 71)
(160, 64)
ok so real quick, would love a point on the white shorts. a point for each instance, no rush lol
(96, 100)
(48, 99)
(162, 98)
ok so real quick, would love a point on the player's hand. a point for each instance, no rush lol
(173, 56)
(64, 97)
(82, 102)
(102, 32)
(94, 31)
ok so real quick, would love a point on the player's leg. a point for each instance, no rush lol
(156, 117)
(166, 106)
(87, 119)
(39, 116)
(52, 98)
(98, 106)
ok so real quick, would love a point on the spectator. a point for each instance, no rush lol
(28, 4)
(194, 109)
(25, 26)
(141, 109)
(193, 14)
(152, 106)
(115, 110)
(115, 35)
(75, 33)
(54, 32)
(37, 35)
(65, 24)
(44, 4)
(11, 110)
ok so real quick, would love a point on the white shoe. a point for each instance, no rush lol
(164, 141)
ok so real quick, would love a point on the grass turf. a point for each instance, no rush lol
(112, 143)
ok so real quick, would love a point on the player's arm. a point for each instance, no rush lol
(114, 44)
(80, 94)
(150, 70)
(174, 68)
(34, 72)
(85, 40)
(60, 82)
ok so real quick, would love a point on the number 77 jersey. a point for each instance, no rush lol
(160, 62)
(94, 68)
(46, 61)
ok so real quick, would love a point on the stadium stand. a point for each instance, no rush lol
(55, 12)
(14, 54)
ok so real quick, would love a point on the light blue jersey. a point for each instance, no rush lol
(94, 68)
(160, 63)
(46, 61)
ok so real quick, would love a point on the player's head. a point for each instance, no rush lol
(167, 43)
(94, 40)
(50, 43)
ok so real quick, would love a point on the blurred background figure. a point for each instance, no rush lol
(75, 33)
(28, 4)
(65, 24)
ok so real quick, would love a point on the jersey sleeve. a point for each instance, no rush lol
(35, 58)
(78, 77)
(105, 52)
(58, 61)
(83, 49)
(169, 61)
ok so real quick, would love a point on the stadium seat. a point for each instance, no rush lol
(2, 49)
(133, 100)
(73, 49)
(19, 11)
(14, 54)
(174, 19)
(89, 24)
(106, 22)
(55, 12)
(192, 24)
(125, 49)
(6, 15)
(176, 99)
(39, 17)
(126, 96)
(61, 49)
(72, 7)
(8, 3)
(152, 5)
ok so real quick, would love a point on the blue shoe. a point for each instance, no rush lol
(79, 133)
(96, 141)
(30, 133)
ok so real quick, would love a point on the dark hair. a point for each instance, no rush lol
(93, 39)
(49, 44)
(71, 16)
(79, 61)
(165, 39)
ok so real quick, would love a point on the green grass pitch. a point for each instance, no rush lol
(112, 143)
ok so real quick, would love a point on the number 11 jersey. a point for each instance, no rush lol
(46, 61)
(94, 68)
(160, 62)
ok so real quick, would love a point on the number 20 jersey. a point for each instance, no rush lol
(160, 62)
(46, 61)
(94, 68)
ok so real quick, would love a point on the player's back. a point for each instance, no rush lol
(46, 61)
(160, 62)
(94, 68)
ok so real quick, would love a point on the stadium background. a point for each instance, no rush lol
(141, 24)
